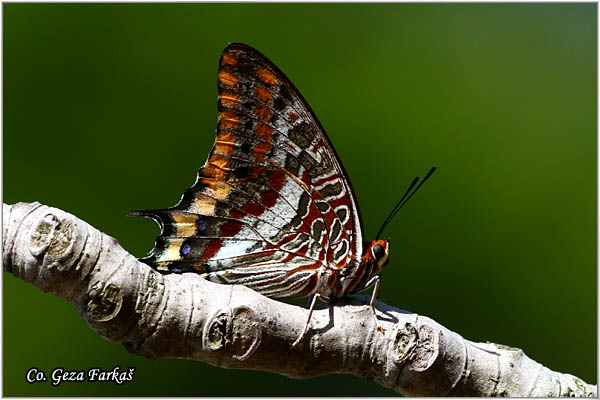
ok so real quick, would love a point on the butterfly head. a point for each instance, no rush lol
(354, 277)
(357, 277)
(377, 253)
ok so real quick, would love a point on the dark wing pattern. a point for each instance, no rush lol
(271, 208)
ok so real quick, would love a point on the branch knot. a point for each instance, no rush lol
(53, 236)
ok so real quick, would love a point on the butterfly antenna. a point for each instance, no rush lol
(404, 199)
(389, 217)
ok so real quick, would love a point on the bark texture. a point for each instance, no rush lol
(185, 316)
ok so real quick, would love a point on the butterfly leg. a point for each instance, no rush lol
(376, 280)
(313, 301)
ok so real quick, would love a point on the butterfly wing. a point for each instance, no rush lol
(272, 206)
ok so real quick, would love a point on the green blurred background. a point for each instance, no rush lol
(112, 107)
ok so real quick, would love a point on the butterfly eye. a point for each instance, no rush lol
(378, 251)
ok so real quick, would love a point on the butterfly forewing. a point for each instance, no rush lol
(272, 206)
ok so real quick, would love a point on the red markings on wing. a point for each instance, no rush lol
(263, 94)
(253, 209)
(263, 113)
(211, 249)
(230, 228)
(269, 197)
(319, 144)
(306, 178)
(260, 151)
(277, 179)
(236, 214)
(263, 131)
(257, 172)
(293, 116)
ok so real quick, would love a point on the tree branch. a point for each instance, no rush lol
(185, 316)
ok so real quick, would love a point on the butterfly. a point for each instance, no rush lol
(272, 208)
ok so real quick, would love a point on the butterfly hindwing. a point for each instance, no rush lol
(272, 205)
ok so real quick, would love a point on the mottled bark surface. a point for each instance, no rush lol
(185, 316)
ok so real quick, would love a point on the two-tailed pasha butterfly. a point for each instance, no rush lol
(272, 208)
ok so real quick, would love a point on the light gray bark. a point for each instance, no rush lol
(185, 316)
